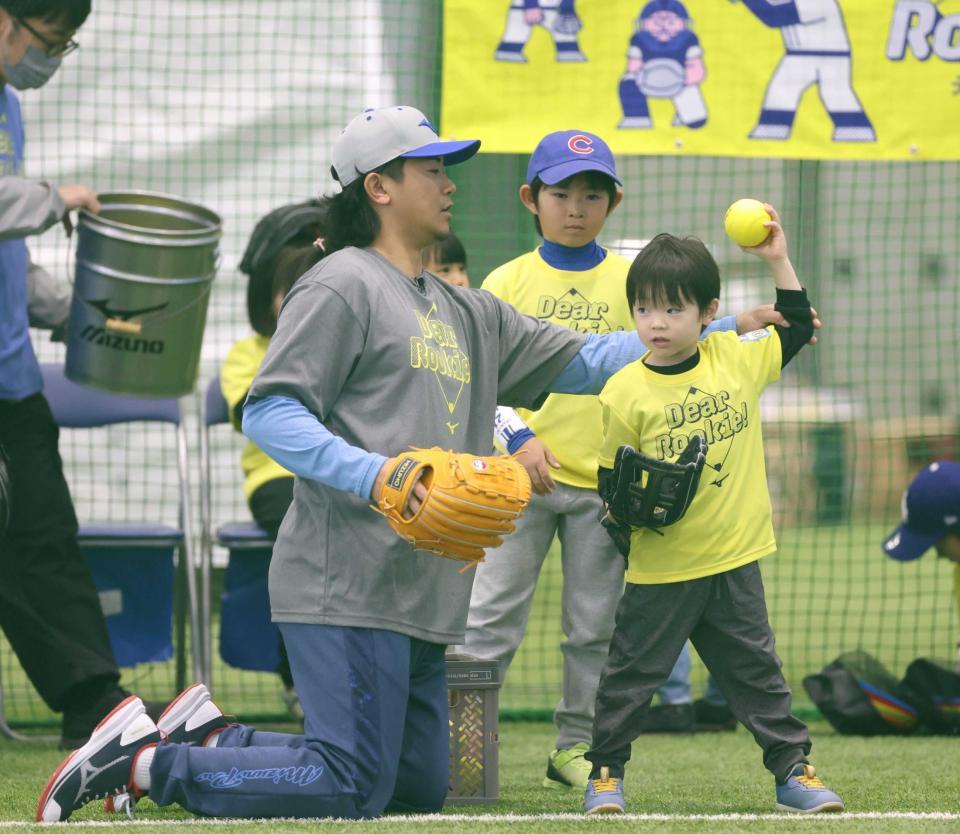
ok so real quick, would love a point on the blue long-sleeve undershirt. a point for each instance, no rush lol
(290, 433)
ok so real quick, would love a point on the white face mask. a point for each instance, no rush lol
(33, 70)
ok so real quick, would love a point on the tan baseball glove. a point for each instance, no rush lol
(471, 501)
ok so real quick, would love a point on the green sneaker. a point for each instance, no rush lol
(567, 768)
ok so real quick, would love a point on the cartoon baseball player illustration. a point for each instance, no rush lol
(558, 17)
(817, 52)
(665, 60)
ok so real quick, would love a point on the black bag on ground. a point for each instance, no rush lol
(858, 696)
(935, 689)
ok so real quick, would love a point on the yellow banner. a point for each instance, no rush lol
(809, 79)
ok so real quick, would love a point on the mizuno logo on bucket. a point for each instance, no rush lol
(103, 337)
(118, 341)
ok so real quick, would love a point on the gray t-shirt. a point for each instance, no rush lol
(386, 363)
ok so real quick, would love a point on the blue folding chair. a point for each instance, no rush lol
(248, 638)
(133, 563)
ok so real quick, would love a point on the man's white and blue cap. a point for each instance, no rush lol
(567, 152)
(931, 509)
(379, 135)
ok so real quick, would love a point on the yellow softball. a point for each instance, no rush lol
(744, 221)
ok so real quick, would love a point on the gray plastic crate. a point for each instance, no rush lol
(474, 694)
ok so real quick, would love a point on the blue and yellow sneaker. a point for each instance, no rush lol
(567, 768)
(604, 795)
(804, 793)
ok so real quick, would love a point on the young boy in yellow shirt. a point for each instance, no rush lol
(699, 578)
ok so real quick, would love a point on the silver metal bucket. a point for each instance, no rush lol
(145, 266)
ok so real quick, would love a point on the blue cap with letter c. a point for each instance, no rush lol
(567, 152)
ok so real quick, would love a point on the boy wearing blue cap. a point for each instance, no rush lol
(931, 518)
(571, 188)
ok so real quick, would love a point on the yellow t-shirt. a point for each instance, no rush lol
(591, 301)
(729, 523)
(236, 376)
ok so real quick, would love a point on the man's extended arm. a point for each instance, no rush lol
(602, 356)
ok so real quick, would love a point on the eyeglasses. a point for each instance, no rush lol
(53, 50)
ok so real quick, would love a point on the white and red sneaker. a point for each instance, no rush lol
(190, 718)
(103, 766)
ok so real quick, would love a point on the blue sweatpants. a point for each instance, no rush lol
(376, 736)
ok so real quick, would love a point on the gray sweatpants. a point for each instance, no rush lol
(592, 586)
(725, 617)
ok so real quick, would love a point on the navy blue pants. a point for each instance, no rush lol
(376, 736)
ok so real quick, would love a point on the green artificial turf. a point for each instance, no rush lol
(676, 776)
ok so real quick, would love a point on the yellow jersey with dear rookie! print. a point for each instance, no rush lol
(729, 523)
(590, 301)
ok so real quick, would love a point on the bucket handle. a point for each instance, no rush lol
(168, 314)
(123, 326)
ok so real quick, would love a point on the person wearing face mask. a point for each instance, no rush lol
(49, 608)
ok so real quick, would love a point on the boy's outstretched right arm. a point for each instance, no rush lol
(602, 356)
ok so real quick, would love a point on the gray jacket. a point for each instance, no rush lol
(29, 207)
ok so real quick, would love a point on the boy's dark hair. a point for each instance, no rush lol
(67, 14)
(293, 263)
(675, 270)
(351, 219)
(293, 226)
(595, 179)
(447, 250)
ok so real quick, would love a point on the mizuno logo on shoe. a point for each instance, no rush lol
(88, 773)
